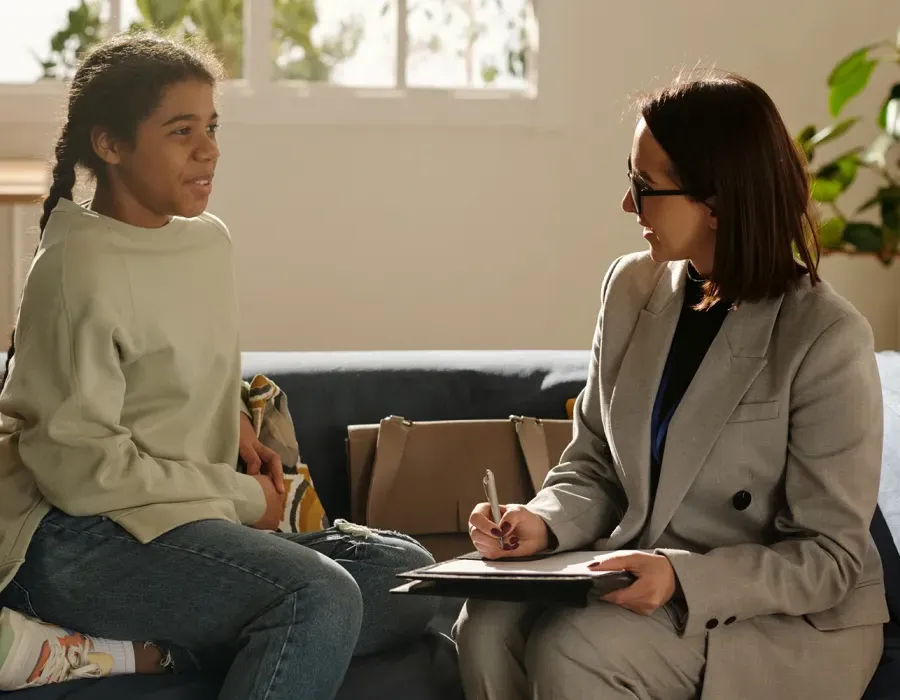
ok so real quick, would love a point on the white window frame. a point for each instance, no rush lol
(257, 99)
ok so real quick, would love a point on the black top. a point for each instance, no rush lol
(693, 336)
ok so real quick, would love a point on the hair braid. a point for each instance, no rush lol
(64, 177)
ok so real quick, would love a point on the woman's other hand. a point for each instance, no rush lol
(656, 581)
(523, 532)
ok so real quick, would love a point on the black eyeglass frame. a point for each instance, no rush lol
(638, 192)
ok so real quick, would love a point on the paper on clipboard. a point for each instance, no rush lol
(564, 564)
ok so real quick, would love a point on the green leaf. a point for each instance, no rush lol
(164, 14)
(849, 77)
(892, 95)
(826, 190)
(865, 237)
(833, 179)
(830, 133)
(831, 233)
(889, 197)
(803, 139)
(58, 42)
(876, 153)
(807, 133)
(884, 195)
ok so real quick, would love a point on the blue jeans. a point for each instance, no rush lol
(279, 616)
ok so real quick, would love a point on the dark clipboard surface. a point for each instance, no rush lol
(547, 589)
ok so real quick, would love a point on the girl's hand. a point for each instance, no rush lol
(258, 457)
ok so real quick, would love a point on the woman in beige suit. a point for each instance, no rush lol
(727, 446)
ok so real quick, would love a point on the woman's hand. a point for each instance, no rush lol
(258, 457)
(523, 532)
(271, 519)
(655, 585)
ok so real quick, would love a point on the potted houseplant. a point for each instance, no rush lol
(860, 243)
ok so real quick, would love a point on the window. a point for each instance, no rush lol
(449, 44)
(44, 39)
(280, 51)
(471, 44)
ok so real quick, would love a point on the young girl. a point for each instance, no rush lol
(121, 512)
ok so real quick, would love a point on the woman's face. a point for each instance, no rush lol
(675, 226)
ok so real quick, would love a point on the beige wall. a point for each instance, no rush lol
(373, 237)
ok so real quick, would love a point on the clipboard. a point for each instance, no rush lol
(548, 579)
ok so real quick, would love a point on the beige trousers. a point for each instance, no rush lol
(512, 651)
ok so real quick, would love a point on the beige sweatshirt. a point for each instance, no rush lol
(123, 397)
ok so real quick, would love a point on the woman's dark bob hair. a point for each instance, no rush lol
(728, 144)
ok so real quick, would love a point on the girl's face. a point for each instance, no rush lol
(168, 170)
(675, 226)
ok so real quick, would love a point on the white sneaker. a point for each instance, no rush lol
(34, 653)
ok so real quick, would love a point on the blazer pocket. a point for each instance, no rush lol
(764, 410)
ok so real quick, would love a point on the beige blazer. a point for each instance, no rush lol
(769, 478)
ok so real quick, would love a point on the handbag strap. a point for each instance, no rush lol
(391, 444)
(389, 448)
(533, 441)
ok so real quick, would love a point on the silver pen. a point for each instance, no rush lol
(490, 490)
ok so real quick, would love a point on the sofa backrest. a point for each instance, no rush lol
(327, 391)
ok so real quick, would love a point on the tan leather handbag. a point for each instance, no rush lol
(424, 479)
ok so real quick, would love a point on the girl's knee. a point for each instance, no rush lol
(411, 555)
(328, 592)
(392, 551)
(336, 583)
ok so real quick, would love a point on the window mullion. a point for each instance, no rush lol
(114, 25)
(402, 42)
(258, 16)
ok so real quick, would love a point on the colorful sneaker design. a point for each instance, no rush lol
(35, 653)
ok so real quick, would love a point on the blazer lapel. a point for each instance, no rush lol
(734, 360)
(631, 404)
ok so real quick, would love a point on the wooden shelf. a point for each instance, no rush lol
(23, 181)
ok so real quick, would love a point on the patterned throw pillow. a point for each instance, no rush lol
(268, 408)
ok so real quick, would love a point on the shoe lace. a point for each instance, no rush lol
(68, 663)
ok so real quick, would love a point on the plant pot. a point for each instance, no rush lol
(872, 287)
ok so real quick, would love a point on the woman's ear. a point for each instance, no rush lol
(712, 218)
(106, 148)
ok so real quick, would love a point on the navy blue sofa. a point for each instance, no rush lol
(328, 391)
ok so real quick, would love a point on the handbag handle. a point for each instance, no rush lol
(389, 448)
(391, 444)
(533, 442)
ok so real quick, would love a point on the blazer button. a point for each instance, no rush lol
(712, 624)
(741, 500)
(730, 620)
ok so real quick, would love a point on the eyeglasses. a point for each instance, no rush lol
(639, 191)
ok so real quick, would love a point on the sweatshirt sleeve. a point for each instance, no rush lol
(67, 387)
